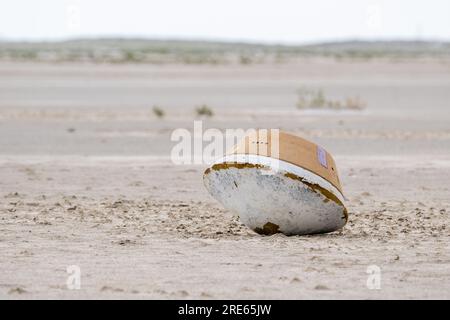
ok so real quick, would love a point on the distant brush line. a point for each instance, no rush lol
(208, 52)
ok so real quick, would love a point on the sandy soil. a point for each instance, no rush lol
(86, 179)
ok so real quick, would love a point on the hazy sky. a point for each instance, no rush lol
(281, 21)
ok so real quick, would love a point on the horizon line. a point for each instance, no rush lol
(227, 41)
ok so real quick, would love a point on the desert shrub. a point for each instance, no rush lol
(204, 110)
(158, 112)
(316, 99)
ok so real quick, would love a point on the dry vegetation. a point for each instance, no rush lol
(201, 52)
(316, 99)
(204, 110)
(158, 112)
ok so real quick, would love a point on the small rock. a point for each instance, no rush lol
(183, 293)
(321, 287)
(17, 290)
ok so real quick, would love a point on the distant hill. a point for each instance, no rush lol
(200, 52)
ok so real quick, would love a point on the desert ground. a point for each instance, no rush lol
(86, 179)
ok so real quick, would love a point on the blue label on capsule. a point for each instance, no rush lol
(322, 156)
